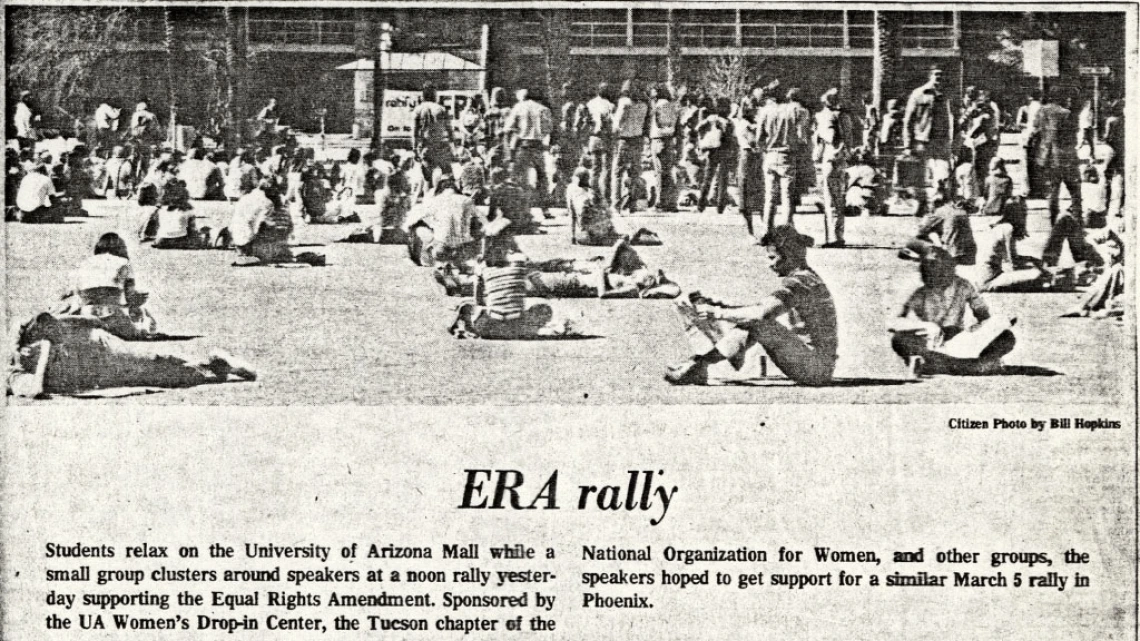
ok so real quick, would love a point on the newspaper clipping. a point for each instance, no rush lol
(569, 320)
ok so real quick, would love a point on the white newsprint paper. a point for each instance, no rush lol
(570, 320)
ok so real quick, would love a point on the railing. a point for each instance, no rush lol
(920, 36)
(261, 31)
(596, 34)
(792, 35)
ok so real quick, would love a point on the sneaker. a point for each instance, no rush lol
(690, 373)
(237, 366)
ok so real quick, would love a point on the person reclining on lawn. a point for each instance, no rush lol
(73, 354)
(620, 275)
(1105, 298)
(804, 347)
(930, 333)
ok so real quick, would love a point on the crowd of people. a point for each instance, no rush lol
(471, 185)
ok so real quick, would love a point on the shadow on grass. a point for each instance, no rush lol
(1019, 370)
(527, 339)
(780, 381)
(158, 338)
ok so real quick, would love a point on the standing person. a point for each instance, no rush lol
(749, 166)
(431, 135)
(891, 130)
(145, 133)
(1026, 118)
(776, 126)
(804, 179)
(599, 147)
(805, 350)
(663, 144)
(871, 121)
(471, 120)
(833, 143)
(1114, 169)
(570, 124)
(493, 119)
(928, 130)
(1056, 160)
(106, 125)
(714, 139)
(24, 121)
(629, 129)
(531, 123)
(984, 134)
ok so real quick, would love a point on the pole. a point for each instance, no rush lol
(1096, 109)
(379, 81)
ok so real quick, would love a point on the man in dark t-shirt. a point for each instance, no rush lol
(804, 348)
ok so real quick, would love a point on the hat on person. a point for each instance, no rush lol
(786, 237)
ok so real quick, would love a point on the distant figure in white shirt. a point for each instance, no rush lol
(106, 125)
(34, 198)
(23, 121)
(531, 124)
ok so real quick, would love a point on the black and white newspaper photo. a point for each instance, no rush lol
(607, 320)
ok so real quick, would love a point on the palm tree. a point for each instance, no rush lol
(556, 52)
(886, 54)
(672, 50)
(171, 47)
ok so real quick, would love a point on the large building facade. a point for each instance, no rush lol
(293, 54)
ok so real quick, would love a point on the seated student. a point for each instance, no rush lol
(967, 181)
(78, 184)
(119, 172)
(176, 228)
(445, 228)
(930, 332)
(473, 178)
(1105, 298)
(500, 310)
(508, 200)
(313, 192)
(242, 175)
(864, 185)
(999, 188)
(1000, 267)
(203, 179)
(260, 229)
(74, 354)
(948, 226)
(804, 347)
(103, 288)
(34, 198)
(590, 219)
(144, 219)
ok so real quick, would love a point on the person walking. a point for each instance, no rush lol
(833, 142)
(531, 124)
(599, 147)
(663, 144)
(1056, 160)
(630, 116)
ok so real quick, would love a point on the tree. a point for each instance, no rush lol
(728, 77)
(68, 56)
(886, 52)
(171, 48)
(555, 24)
(672, 50)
